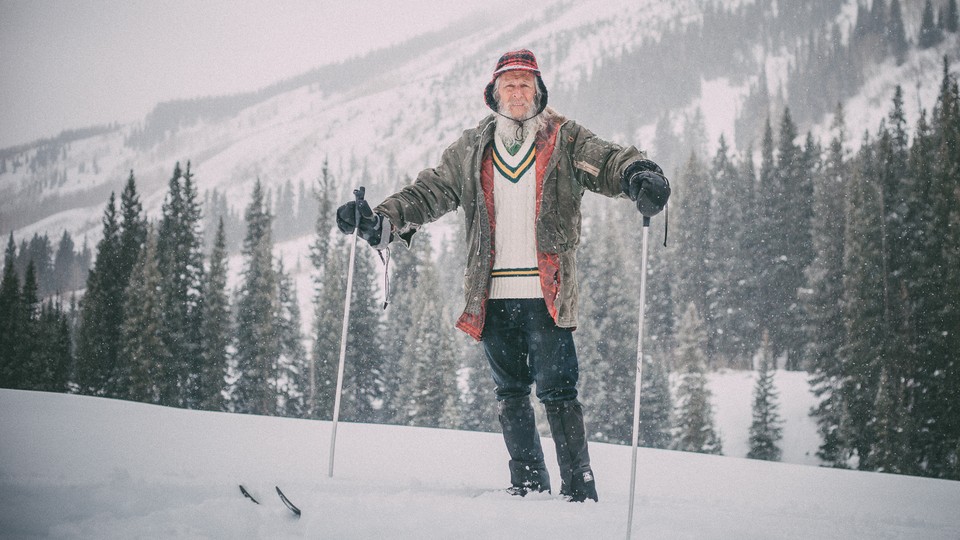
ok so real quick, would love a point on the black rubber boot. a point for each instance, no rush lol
(569, 435)
(527, 469)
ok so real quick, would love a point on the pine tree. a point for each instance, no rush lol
(791, 213)
(865, 346)
(26, 364)
(9, 310)
(609, 349)
(694, 430)
(292, 369)
(938, 406)
(823, 312)
(729, 338)
(328, 322)
(655, 405)
(64, 265)
(766, 430)
(101, 312)
(428, 395)
(690, 250)
(930, 35)
(216, 335)
(402, 323)
(326, 281)
(952, 16)
(53, 349)
(896, 34)
(890, 448)
(363, 382)
(258, 346)
(180, 256)
(39, 252)
(143, 351)
(133, 227)
(768, 294)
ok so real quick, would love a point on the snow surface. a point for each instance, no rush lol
(82, 467)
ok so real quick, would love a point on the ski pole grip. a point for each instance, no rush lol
(358, 193)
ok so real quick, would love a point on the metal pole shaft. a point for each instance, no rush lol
(343, 350)
(636, 395)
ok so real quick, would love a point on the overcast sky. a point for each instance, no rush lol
(67, 64)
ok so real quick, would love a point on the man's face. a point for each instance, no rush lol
(517, 91)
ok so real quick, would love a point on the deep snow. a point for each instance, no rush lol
(82, 467)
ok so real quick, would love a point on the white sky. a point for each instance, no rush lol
(74, 63)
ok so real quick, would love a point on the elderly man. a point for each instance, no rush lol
(519, 177)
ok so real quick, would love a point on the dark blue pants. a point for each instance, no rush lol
(524, 346)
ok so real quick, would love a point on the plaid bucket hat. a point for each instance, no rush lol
(521, 59)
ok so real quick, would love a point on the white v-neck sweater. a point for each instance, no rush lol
(515, 272)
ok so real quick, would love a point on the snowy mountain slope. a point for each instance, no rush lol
(81, 467)
(408, 111)
(399, 117)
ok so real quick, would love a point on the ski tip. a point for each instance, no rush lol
(293, 508)
(247, 494)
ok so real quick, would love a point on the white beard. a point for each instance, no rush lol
(506, 128)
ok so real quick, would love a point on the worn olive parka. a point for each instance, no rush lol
(569, 160)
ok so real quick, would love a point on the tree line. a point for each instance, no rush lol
(845, 266)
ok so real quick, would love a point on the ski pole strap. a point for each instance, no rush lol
(666, 220)
(385, 258)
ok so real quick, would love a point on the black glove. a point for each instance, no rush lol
(371, 225)
(643, 181)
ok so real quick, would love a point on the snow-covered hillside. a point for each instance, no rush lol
(81, 467)
(397, 118)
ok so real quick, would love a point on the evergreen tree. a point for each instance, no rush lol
(768, 293)
(690, 249)
(823, 312)
(26, 365)
(655, 405)
(292, 369)
(180, 256)
(865, 347)
(326, 285)
(216, 335)
(53, 349)
(328, 322)
(729, 338)
(793, 215)
(133, 227)
(101, 311)
(39, 252)
(896, 34)
(609, 349)
(941, 372)
(766, 430)
(143, 352)
(363, 382)
(890, 445)
(478, 404)
(9, 310)
(258, 345)
(694, 430)
(952, 16)
(403, 323)
(428, 379)
(64, 263)
(930, 35)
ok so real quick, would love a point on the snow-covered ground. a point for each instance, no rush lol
(81, 467)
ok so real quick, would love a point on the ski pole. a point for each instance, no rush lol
(636, 395)
(358, 193)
